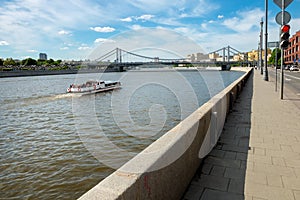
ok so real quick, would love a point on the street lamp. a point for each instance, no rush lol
(260, 47)
(266, 78)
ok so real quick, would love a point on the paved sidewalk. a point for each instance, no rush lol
(258, 153)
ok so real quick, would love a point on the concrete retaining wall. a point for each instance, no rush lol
(165, 168)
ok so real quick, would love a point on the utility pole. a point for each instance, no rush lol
(266, 77)
(282, 55)
(260, 47)
(276, 63)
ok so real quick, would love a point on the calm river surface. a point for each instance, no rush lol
(57, 146)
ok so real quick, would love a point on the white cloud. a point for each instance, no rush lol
(101, 40)
(63, 32)
(84, 48)
(64, 48)
(245, 20)
(204, 25)
(145, 17)
(220, 16)
(158, 39)
(29, 24)
(3, 43)
(127, 19)
(32, 51)
(205, 6)
(136, 27)
(153, 5)
(183, 30)
(103, 29)
(295, 24)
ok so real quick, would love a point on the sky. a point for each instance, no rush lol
(76, 29)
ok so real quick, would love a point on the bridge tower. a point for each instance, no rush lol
(118, 55)
(228, 54)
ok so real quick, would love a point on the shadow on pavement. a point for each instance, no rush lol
(223, 172)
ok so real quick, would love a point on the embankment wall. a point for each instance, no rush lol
(165, 168)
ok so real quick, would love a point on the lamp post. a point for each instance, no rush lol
(266, 78)
(260, 47)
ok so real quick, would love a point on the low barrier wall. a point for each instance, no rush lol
(165, 168)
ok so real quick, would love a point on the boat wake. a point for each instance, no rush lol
(34, 100)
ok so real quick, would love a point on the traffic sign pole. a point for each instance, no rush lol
(284, 20)
(266, 77)
(282, 53)
(275, 45)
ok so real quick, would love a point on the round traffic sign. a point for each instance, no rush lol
(286, 18)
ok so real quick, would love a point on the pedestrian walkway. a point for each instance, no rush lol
(258, 154)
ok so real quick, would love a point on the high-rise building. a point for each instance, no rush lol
(292, 53)
(43, 56)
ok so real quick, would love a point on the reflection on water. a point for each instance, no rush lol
(49, 144)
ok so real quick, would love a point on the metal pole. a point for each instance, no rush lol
(258, 53)
(117, 55)
(266, 78)
(276, 60)
(261, 41)
(120, 55)
(282, 53)
(228, 54)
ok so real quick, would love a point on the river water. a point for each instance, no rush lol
(57, 146)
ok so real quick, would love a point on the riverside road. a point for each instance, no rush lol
(291, 79)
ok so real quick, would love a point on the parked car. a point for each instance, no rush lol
(287, 67)
(294, 68)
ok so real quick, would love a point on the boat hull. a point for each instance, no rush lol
(95, 88)
(99, 90)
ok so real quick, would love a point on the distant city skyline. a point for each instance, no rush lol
(73, 29)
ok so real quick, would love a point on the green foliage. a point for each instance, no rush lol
(9, 61)
(29, 61)
(273, 57)
(50, 61)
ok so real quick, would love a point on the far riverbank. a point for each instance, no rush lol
(20, 73)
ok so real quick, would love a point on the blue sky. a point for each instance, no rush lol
(73, 29)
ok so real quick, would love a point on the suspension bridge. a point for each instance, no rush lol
(120, 60)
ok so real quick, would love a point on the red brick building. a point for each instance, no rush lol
(292, 53)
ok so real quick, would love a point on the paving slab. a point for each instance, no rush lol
(258, 153)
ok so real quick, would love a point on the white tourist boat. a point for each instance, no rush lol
(93, 87)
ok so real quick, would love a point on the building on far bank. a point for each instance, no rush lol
(239, 57)
(292, 53)
(197, 57)
(253, 55)
(214, 56)
(43, 56)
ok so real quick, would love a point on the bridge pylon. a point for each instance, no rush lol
(227, 51)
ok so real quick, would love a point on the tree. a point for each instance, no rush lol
(273, 57)
(50, 61)
(29, 61)
(1, 62)
(9, 61)
(57, 62)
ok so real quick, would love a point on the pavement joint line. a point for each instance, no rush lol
(279, 143)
